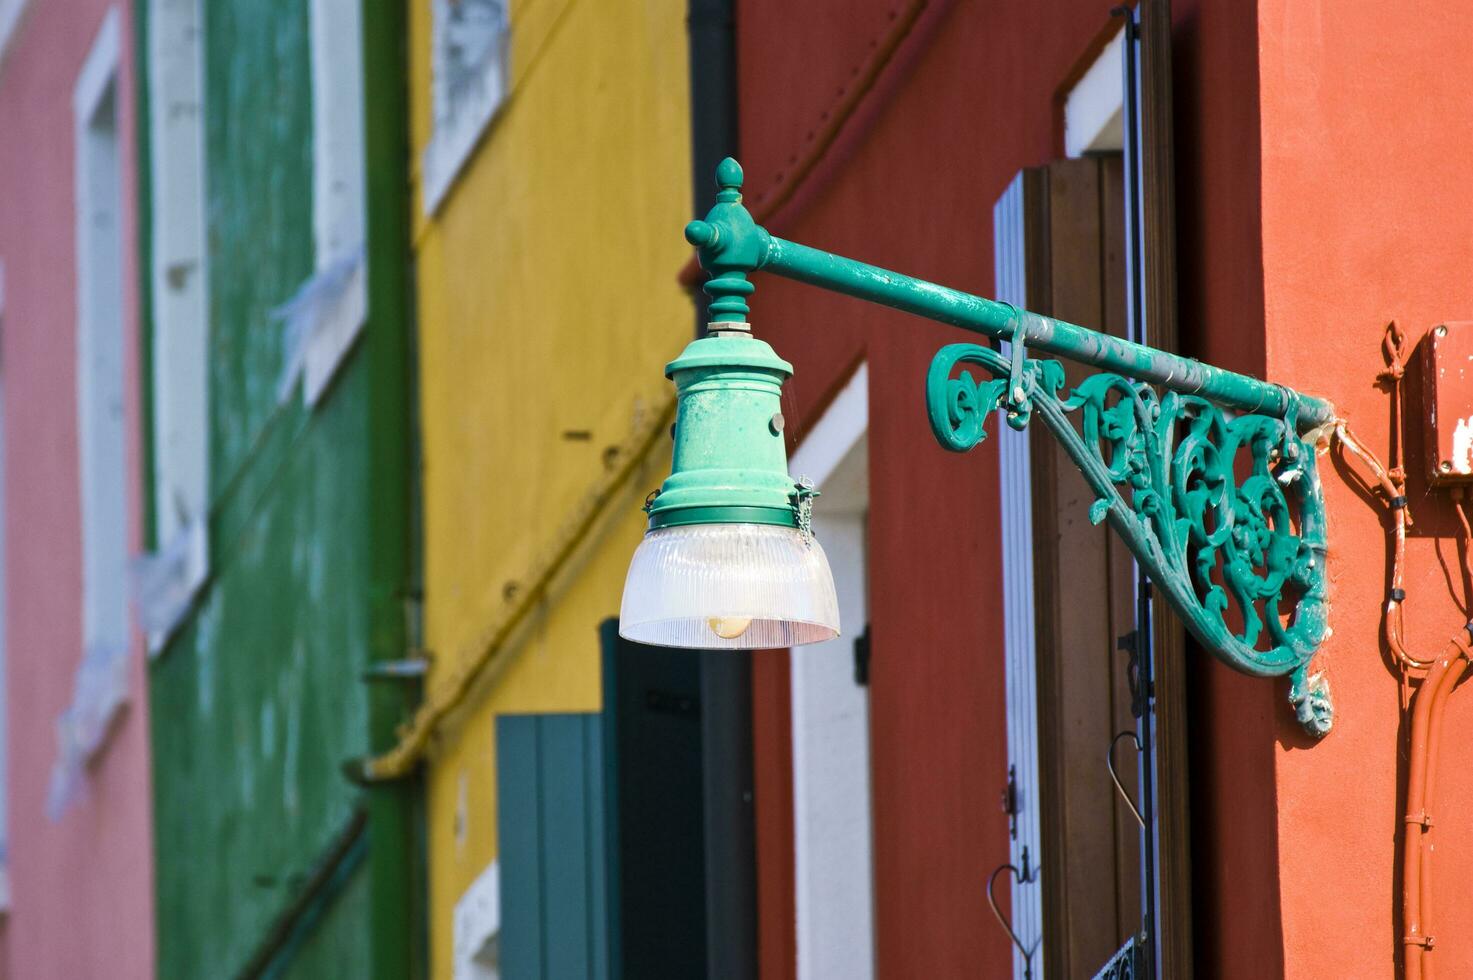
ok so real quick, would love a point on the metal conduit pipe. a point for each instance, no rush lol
(1416, 895)
(1438, 677)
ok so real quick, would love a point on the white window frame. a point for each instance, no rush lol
(832, 813)
(167, 582)
(1094, 109)
(477, 928)
(1020, 671)
(325, 317)
(101, 686)
(460, 119)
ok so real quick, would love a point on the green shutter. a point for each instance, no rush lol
(601, 829)
(550, 791)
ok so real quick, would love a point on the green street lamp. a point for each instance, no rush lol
(729, 560)
(1211, 482)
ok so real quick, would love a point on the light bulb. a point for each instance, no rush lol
(729, 627)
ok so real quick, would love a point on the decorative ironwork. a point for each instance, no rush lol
(1222, 510)
(1021, 877)
(1128, 963)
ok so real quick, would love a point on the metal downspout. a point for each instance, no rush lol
(729, 828)
(396, 863)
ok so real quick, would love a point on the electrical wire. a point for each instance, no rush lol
(1438, 675)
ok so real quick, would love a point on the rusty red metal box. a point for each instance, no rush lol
(1447, 385)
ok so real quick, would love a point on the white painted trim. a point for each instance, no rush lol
(1015, 528)
(337, 129)
(166, 582)
(101, 684)
(335, 332)
(836, 432)
(477, 928)
(325, 317)
(1094, 109)
(832, 828)
(12, 13)
(98, 71)
(99, 284)
(460, 119)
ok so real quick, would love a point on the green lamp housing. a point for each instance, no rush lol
(729, 560)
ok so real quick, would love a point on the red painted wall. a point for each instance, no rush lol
(1323, 162)
(82, 888)
(969, 100)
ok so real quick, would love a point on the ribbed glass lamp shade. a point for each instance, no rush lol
(729, 586)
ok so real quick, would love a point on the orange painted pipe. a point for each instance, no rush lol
(1416, 893)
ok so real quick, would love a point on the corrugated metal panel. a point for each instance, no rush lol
(1016, 511)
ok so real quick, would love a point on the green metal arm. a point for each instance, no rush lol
(1241, 561)
(732, 246)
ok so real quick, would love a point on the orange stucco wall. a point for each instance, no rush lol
(1323, 161)
(1366, 118)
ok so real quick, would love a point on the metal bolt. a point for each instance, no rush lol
(776, 423)
(1440, 330)
(1445, 466)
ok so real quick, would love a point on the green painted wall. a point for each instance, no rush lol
(258, 700)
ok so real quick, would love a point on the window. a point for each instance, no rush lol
(1094, 110)
(101, 683)
(469, 65)
(167, 581)
(326, 315)
(478, 928)
(832, 853)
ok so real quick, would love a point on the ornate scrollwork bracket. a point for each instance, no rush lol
(1222, 510)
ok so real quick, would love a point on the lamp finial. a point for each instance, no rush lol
(729, 179)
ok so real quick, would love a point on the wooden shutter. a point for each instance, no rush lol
(1085, 600)
(1151, 162)
(599, 821)
(1069, 594)
(551, 832)
(653, 718)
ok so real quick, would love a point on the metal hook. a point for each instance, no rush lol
(1007, 926)
(1110, 765)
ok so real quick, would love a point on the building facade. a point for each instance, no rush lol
(279, 573)
(541, 130)
(1306, 203)
(77, 839)
(331, 341)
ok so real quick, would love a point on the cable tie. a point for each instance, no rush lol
(1398, 502)
(1398, 595)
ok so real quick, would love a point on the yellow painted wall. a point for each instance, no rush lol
(546, 289)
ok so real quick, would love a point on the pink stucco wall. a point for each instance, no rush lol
(82, 889)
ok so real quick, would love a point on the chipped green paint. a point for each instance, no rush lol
(258, 699)
(258, 153)
(730, 463)
(1164, 467)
